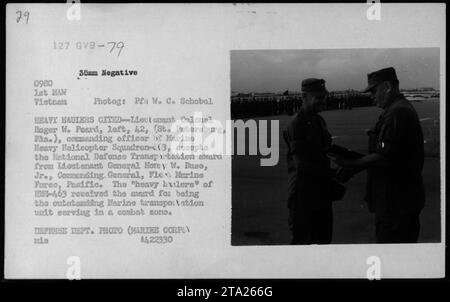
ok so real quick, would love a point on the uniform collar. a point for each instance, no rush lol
(307, 116)
(394, 99)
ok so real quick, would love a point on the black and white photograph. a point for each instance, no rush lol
(359, 146)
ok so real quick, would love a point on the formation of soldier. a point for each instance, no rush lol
(254, 106)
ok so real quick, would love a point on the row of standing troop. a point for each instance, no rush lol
(254, 106)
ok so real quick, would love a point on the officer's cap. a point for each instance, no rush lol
(380, 76)
(313, 85)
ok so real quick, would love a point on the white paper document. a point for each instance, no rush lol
(123, 138)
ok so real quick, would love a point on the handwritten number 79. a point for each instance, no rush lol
(116, 46)
(22, 15)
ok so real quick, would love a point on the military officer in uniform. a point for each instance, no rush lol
(394, 191)
(307, 139)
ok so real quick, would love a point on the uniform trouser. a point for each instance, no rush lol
(311, 226)
(397, 228)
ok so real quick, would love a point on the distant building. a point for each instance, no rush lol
(420, 94)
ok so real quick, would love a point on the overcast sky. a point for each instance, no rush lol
(280, 70)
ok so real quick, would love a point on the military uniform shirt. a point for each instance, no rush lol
(398, 186)
(309, 183)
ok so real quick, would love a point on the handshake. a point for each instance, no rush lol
(346, 160)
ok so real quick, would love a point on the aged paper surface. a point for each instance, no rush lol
(94, 188)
